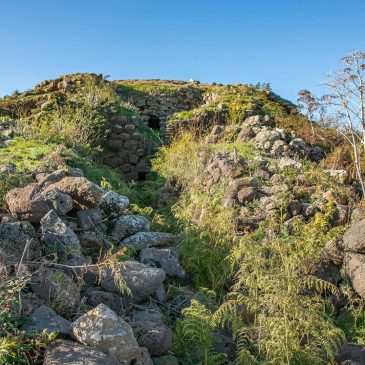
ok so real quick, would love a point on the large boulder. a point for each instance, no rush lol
(157, 338)
(246, 195)
(339, 175)
(85, 193)
(316, 153)
(92, 243)
(58, 237)
(96, 297)
(17, 240)
(246, 133)
(46, 319)
(341, 217)
(57, 289)
(113, 204)
(294, 207)
(354, 237)
(81, 271)
(298, 145)
(352, 354)
(279, 148)
(27, 203)
(145, 358)
(246, 188)
(62, 352)
(62, 203)
(143, 240)
(354, 264)
(142, 280)
(288, 163)
(44, 179)
(165, 258)
(128, 225)
(328, 271)
(148, 313)
(266, 138)
(308, 210)
(89, 218)
(103, 329)
(357, 214)
(216, 133)
(333, 251)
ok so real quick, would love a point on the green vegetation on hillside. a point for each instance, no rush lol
(252, 273)
(239, 101)
(153, 87)
(277, 311)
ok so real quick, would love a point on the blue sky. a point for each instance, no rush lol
(289, 43)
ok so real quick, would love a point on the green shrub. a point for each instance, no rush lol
(81, 120)
(207, 243)
(276, 309)
(194, 336)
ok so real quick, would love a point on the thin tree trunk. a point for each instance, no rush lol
(357, 162)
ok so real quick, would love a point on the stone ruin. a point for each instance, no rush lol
(157, 105)
(127, 148)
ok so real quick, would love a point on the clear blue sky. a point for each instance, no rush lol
(289, 43)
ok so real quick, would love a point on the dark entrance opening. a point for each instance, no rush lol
(154, 122)
(142, 176)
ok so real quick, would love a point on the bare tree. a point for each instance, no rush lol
(308, 102)
(346, 101)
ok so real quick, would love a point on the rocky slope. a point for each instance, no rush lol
(64, 218)
(91, 270)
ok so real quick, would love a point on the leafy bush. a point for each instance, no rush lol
(276, 308)
(207, 242)
(208, 228)
(81, 120)
(277, 311)
(76, 125)
(194, 340)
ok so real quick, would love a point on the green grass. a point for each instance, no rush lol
(25, 154)
(242, 150)
(239, 101)
(147, 87)
(184, 115)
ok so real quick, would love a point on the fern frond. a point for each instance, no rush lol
(319, 285)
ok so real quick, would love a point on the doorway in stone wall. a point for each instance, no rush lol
(154, 122)
(142, 176)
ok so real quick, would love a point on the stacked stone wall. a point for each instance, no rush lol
(125, 148)
(161, 105)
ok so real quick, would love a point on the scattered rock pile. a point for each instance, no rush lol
(258, 188)
(7, 131)
(261, 133)
(59, 233)
(259, 182)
